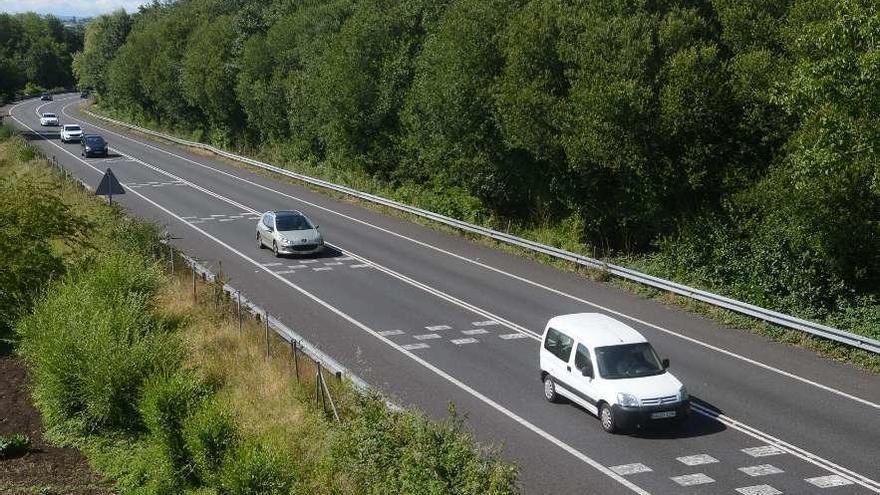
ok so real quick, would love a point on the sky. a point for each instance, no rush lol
(78, 8)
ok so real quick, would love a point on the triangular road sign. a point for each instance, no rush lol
(109, 185)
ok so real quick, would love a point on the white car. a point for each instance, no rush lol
(71, 133)
(288, 232)
(610, 370)
(48, 119)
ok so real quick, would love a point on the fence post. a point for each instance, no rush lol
(193, 266)
(171, 255)
(267, 335)
(293, 347)
(239, 311)
(327, 391)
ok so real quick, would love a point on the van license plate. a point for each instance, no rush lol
(663, 414)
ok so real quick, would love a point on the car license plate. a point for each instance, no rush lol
(663, 414)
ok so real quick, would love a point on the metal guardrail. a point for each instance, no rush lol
(781, 319)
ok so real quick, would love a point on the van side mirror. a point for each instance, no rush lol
(665, 363)
(587, 371)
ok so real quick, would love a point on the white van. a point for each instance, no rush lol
(611, 370)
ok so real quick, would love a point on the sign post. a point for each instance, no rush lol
(109, 186)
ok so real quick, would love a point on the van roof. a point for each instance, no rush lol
(595, 329)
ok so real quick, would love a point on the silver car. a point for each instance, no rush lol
(288, 232)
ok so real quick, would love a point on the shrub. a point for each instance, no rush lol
(209, 434)
(14, 445)
(253, 469)
(92, 342)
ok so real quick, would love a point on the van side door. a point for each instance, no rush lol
(557, 353)
(583, 379)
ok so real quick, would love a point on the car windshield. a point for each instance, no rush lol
(72, 128)
(628, 361)
(292, 222)
(49, 115)
(94, 140)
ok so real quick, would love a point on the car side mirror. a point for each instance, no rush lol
(317, 227)
(270, 229)
(587, 371)
(665, 363)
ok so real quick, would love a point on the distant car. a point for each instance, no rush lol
(610, 370)
(46, 97)
(93, 145)
(48, 119)
(288, 232)
(84, 94)
(71, 133)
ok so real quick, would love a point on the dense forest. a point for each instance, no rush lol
(36, 54)
(730, 144)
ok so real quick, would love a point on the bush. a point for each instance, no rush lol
(253, 469)
(92, 342)
(167, 401)
(209, 434)
(14, 445)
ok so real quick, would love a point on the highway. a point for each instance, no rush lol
(431, 318)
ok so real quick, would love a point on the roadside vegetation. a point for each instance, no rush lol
(36, 53)
(165, 395)
(724, 144)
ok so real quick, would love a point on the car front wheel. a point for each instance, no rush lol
(275, 249)
(259, 241)
(607, 419)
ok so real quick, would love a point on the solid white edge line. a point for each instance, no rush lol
(739, 425)
(461, 385)
(511, 275)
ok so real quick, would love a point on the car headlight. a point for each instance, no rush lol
(627, 400)
(683, 393)
(285, 242)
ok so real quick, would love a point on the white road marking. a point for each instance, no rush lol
(439, 372)
(497, 270)
(346, 258)
(272, 264)
(286, 272)
(206, 219)
(411, 347)
(296, 266)
(692, 479)
(308, 262)
(758, 490)
(227, 219)
(634, 468)
(390, 333)
(322, 269)
(763, 451)
(438, 327)
(478, 331)
(828, 481)
(427, 336)
(761, 470)
(485, 323)
(696, 460)
(333, 263)
(218, 215)
(513, 336)
(468, 340)
(189, 218)
(362, 265)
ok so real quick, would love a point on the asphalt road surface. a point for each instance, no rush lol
(431, 318)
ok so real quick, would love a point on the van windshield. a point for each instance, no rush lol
(628, 361)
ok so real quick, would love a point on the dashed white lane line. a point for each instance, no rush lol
(360, 265)
(333, 263)
(488, 323)
(468, 340)
(218, 215)
(286, 272)
(322, 269)
(345, 258)
(272, 264)
(828, 481)
(412, 347)
(696, 460)
(692, 479)
(761, 470)
(627, 469)
(227, 219)
(308, 262)
(478, 331)
(434, 328)
(189, 218)
(390, 333)
(427, 336)
(758, 490)
(513, 336)
(296, 266)
(763, 451)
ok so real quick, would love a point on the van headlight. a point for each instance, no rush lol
(683, 393)
(627, 400)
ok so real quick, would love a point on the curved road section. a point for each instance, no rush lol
(431, 318)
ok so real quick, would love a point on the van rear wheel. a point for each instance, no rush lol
(550, 389)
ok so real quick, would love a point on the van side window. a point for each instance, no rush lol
(559, 344)
(582, 359)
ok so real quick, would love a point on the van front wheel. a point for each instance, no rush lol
(607, 418)
(550, 389)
